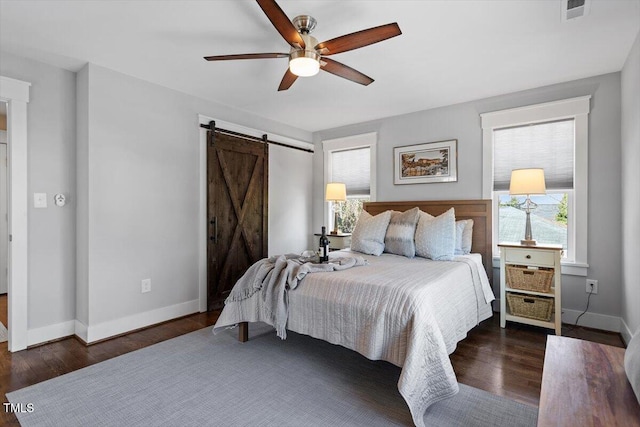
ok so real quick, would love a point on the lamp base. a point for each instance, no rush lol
(528, 238)
(336, 216)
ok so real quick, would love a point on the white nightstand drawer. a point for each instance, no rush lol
(529, 257)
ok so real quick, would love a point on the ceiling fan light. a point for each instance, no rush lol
(304, 63)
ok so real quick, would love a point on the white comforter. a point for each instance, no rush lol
(410, 312)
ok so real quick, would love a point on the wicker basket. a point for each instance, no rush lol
(528, 279)
(538, 308)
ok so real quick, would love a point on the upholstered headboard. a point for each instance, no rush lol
(477, 210)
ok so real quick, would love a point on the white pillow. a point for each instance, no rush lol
(399, 237)
(464, 235)
(368, 236)
(436, 236)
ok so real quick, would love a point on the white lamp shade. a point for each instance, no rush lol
(336, 192)
(527, 181)
(304, 66)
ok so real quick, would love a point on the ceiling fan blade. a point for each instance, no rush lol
(358, 39)
(344, 71)
(246, 56)
(288, 79)
(281, 22)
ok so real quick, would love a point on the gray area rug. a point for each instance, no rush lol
(4, 334)
(200, 379)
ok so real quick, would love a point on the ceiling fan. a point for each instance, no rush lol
(307, 56)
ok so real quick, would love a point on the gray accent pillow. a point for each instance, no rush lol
(402, 228)
(436, 236)
(632, 363)
(464, 235)
(368, 236)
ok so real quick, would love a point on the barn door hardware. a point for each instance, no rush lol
(212, 129)
(214, 224)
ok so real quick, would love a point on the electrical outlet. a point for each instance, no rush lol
(592, 286)
(145, 286)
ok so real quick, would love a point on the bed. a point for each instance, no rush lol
(411, 312)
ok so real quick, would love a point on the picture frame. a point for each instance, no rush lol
(426, 163)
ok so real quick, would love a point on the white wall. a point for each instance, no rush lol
(51, 162)
(143, 195)
(290, 191)
(462, 122)
(631, 191)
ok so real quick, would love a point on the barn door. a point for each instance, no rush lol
(237, 202)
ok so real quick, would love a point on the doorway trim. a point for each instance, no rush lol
(16, 94)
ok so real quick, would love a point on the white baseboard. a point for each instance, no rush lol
(50, 333)
(591, 320)
(625, 331)
(140, 320)
(109, 329)
(81, 330)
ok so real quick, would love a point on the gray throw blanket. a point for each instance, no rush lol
(274, 277)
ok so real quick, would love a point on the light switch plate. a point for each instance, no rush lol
(39, 200)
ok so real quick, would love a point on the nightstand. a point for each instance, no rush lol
(531, 285)
(338, 241)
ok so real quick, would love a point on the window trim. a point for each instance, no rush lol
(577, 108)
(346, 143)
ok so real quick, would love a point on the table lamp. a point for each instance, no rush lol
(527, 182)
(336, 192)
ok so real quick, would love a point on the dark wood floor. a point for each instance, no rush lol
(507, 362)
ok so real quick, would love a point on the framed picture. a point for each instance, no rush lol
(426, 163)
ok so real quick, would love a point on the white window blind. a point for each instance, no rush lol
(353, 167)
(549, 146)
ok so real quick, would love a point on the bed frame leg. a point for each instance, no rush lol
(243, 331)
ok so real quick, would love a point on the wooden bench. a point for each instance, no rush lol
(584, 384)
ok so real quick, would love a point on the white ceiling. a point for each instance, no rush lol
(450, 51)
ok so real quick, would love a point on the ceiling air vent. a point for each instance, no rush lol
(572, 9)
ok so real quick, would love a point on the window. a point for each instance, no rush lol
(540, 145)
(552, 136)
(351, 161)
(352, 167)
